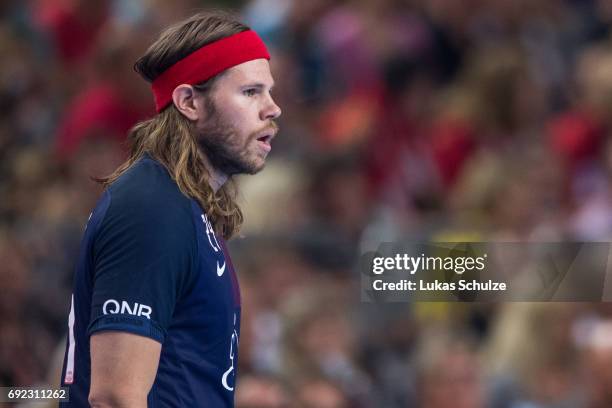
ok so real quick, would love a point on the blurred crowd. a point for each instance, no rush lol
(422, 120)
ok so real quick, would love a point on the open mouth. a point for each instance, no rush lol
(265, 139)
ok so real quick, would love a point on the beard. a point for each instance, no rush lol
(223, 146)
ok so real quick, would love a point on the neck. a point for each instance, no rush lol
(217, 177)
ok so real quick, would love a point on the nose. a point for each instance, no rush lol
(271, 110)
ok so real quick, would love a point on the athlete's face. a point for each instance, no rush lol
(238, 126)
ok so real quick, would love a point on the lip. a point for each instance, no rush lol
(264, 145)
(265, 138)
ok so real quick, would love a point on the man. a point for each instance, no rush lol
(155, 314)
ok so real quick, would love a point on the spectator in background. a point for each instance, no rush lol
(597, 360)
(318, 342)
(258, 391)
(532, 357)
(320, 393)
(113, 100)
(449, 372)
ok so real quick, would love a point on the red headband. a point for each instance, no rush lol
(206, 62)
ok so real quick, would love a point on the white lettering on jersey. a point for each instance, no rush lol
(231, 356)
(210, 232)
(111, 306)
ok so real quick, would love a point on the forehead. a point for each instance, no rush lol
(251, 71)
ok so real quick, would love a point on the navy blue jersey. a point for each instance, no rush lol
(151, 264)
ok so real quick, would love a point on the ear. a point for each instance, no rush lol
(183, 98)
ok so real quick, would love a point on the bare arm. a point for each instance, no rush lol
(123, 369)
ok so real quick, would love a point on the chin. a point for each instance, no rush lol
(256, 169)
(256, 165)
(251, 168)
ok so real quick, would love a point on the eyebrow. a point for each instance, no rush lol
(257, 85)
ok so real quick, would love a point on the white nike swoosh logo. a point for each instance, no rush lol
(220, 269)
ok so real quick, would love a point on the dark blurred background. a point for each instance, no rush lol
(451, 120)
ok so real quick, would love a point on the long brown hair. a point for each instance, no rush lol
(169, 137)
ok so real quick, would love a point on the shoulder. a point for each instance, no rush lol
(148, 235)
(147, 183)
(146, 198)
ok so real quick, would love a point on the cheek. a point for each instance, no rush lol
(242, 118)
(237, 109)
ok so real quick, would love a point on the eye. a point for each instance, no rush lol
(250, 92)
